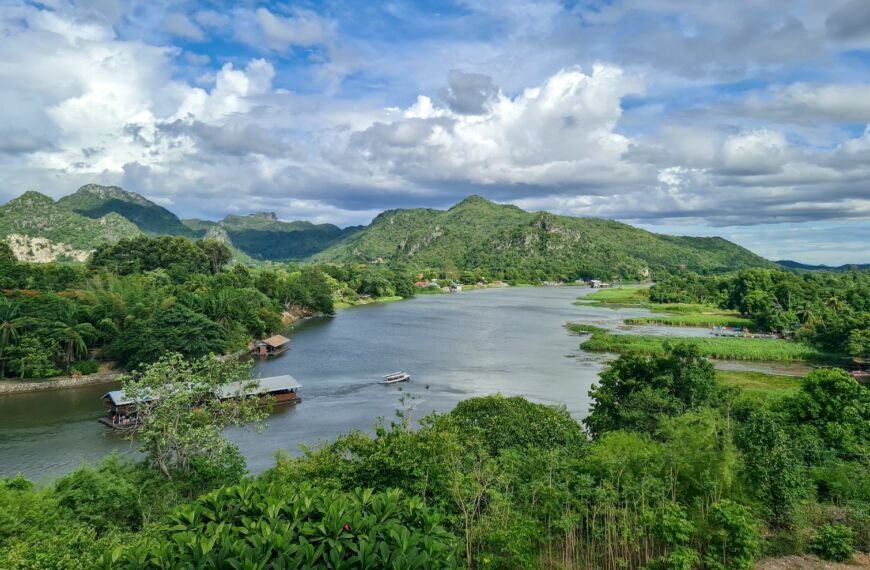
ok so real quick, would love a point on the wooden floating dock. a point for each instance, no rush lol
(272, 346)
(282, 389)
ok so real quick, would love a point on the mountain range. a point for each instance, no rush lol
(806, 267)
(475, 233)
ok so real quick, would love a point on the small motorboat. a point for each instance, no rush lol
(396, 377)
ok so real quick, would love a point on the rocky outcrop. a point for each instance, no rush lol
(43, 250)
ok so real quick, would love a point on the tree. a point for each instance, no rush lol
(858, 344)
(173, 328)
(33, 358)
(217, 252)
(181, 410)
(178, 255)
(834, 407)
(10, 323)
(635, 391)
(73, 337)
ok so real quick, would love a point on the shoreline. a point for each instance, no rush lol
(10, 387)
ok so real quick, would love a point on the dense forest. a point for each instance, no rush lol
(828, 309)
(142, 297)
(670, 470)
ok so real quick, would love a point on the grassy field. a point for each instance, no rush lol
(678, 314)
(618, 296)
(694, 320)
(580, 328)
(758, 382)
(724, 348)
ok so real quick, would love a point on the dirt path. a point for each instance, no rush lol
(809, 562)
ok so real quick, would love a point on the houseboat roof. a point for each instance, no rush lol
(276, 340)
(266, 385)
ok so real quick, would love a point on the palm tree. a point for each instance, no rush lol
(835, 303)
(73, 337)
(10, 322)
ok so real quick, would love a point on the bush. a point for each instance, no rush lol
(834, 542)
(104, 498)
(258, 525)
(84, 367)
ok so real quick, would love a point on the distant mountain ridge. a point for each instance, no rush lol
(497, 237)
(807, 267)
(263, 236)
(475, 233)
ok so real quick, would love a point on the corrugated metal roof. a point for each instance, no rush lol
(271, 384)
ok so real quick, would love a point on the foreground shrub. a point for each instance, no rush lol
(834, 542)
(254, 525)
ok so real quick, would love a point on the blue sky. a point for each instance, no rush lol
(737, 118)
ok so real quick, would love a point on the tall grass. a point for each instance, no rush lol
(694, 320)
(618, 296)
(724, 348)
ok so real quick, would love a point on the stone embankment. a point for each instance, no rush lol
(21, 386)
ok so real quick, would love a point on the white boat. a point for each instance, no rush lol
(396, 377)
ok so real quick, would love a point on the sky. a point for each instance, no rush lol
(747, 119)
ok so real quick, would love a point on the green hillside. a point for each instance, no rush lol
(263, 236)
(477, 233)
(95, 201)
(38, 216)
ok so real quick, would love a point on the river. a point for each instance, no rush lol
(455, 346)
(510, 341)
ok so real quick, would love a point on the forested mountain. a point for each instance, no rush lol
(499, 240)
(263, 236)
(95, 201)
(477, 233)
(38, 229)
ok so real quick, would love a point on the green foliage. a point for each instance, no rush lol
(635, 391)
(859, 343)
(833, 408)
(830, 310)
(174, 328)
(501, 424)
(834, 542)
(733, 537)
(102, 498)
(772, 468)
(85, 367)
(180, 257)
(32, 358)
(722, 348)
(181, 412)
(217, 253)
(259, 525)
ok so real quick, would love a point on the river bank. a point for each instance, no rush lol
(40, 385)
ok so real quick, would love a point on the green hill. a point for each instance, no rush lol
(53, 231)
(477, 233)
(263, 236)
(95, 201)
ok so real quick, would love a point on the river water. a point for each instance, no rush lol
(510, 341)
(456, 346)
